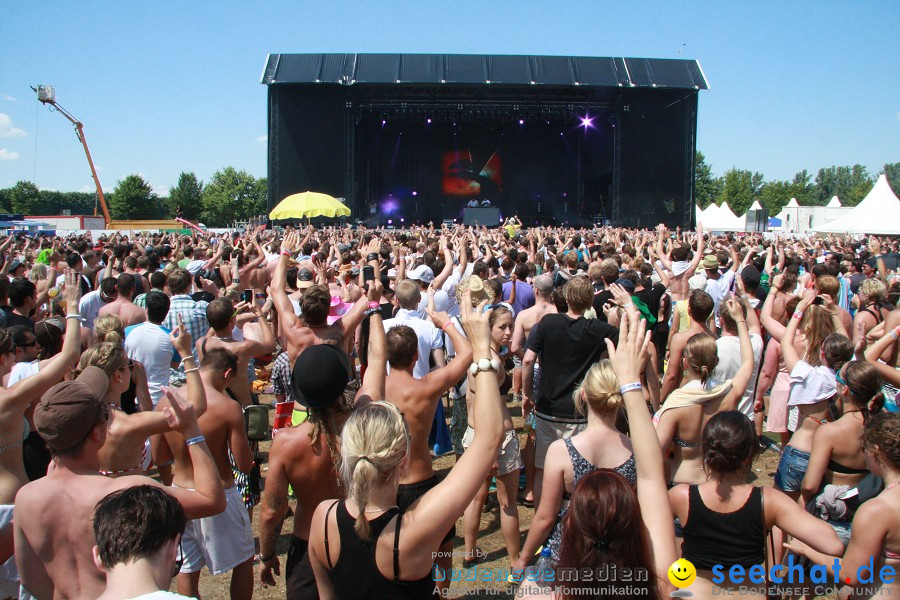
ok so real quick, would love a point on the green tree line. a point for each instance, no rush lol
(230, 195)
(740, 188)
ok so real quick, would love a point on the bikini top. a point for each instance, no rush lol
(837, 467)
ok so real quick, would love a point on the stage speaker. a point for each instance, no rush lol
(757, 221)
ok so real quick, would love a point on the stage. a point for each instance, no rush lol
(418, 138)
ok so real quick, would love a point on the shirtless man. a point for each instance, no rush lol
(299, 333)
(224, 540)
(128, 311)
(417, 399)
(525, 320)
(681, 268)
(54, 537)
(307, 457)
(700, 307)
(222, 316)
(248, 278)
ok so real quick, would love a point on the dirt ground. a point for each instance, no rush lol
(490, 537)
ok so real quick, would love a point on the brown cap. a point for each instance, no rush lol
(68, 411)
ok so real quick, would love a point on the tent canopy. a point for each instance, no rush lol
(878, 213)
(835, 202)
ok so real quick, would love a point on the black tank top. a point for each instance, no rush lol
(713, 538)
(356, 573)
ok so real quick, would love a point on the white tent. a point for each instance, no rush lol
(755, 206)
(835, 202)
(721, 218)
(878, 213)
(793, 203)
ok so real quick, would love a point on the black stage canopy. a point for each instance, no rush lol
(557, 140)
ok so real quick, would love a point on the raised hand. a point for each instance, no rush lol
(629, 355)
(181, 339)
(440, 319)
(475, 324)
(180, 413)
(72, 291)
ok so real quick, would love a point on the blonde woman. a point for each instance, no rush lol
(111, 328)
(508, 460)
(599, 446)
(364, 547)
(687, 410)
(126, 450)
(872, 296)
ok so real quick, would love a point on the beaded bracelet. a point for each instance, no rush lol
(630, 387)
(195, 440)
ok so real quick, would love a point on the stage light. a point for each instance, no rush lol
(521, 121)
(401, 220)
(428, 120)
(383, 122)
(415, 193)
(587, 121)
(390, 222)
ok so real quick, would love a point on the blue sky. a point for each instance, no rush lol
(165, 87)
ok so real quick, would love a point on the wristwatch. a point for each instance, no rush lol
(485, 365)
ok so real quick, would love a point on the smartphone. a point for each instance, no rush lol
(247, 296)
(368, 273)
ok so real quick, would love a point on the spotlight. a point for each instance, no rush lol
(521, 121)
(390, 221)
(383, 122)
(587, 121)
(428, 120)
(415, 193)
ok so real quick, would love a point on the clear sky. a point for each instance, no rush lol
(165, 87)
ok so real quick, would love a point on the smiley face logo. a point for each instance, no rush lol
(682, 573)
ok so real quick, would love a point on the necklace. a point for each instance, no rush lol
(225, 339)
(375, 510)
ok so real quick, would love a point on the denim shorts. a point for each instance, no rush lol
(791, 469)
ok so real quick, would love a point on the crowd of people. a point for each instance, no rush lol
(619, 383)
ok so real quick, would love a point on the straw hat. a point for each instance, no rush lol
(474, 284)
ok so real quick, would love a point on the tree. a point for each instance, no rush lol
(892, 171)
(6, 200)
(188, 194)
(232, 195)
(740, 188)
(134, 199)
(706, 187)
(25, 198)
(850, 184)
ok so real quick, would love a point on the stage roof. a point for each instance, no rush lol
(349, 69)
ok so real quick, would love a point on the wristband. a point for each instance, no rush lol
(266, 559)
(73, 317)
(447, 324)
(373, 304)
(895, 332)
(286, 253)
(181, 364)
(195, 440)
(371, 256)
(186, 371)
(630, 387)
(372, 311)
(797, 315)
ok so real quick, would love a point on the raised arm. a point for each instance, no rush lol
(775, 329)
(627, 359)
(441, 277)
(372, 388)
(741, 379)
(789, 354)
(438, 509)
(286, 315)
(442, 379)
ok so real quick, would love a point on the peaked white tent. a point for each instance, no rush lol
(755, 206)
(835, 202)
(792, 203)
(878, 213)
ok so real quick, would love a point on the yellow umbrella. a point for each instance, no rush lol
(308, 204)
